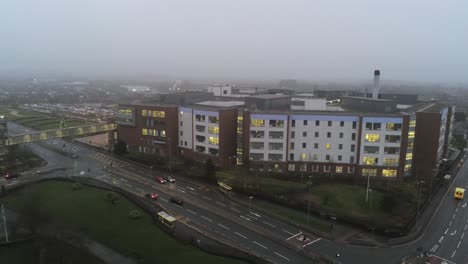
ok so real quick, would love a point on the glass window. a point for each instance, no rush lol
(411, 134)
(353, 136)
(305, 122)
(369, 172)
(352, 148)
(340, 157)
(257, 123)
(303, 167)
(257, 145)
(303, 156)
(293, 123)
(200, 128)
(257, 134)
(389, 173)
(392, 150)
(291, 156)
(354, 124)
(256, 156)
(293, 134)
(213, 119)
(341, 123)
(316, 134)
(326, 168)
(390, 161)
(315, 145)
(327, 157)
(291, 167)
(372, 137)
(393, 126)
(409, 156)
(370, 160)
(276, 123)
(341, 134)
(392, 138)
(275, 156)
(304, 145)
(351, 159)
(371, 149)
(329, 123)
(213, 130)
(275, 146)
(328, 134)
(373, 126)
(159, 114)
(412, 123)
(328, 146)
(144, 131)
(144, 112)
(317, 123)
(315, 156)
(213, 140)
(292, 145)
(340, 146)
(339, 169)
(304, 134)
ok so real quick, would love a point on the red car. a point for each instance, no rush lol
(160, 179)
(152, 196)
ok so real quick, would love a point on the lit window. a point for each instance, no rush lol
(409, 156)
(303, 156)
(411, 134)
(412, 123)
(144, 131)
(163, 133)
(389, 173)
(160, 114)
(369, 172)
(370, 160)
(407, 167)
(291, 167)
(240, 119)
(144, 112)
(393, 126)
(258, 123)
(390, 162)
(181, 113)
(328, 146)
(315, 156)
(213, 130)
(372, 137)
(213, 140)
(339, 169)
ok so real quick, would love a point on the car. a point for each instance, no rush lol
(176, 200)
(10, 176)
(169, 178)
(152, 196)
(160, 179)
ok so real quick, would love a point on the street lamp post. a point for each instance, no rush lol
(250, 203)
(370, 190)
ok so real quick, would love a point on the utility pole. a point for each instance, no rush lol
(4, 224)
(367, 192)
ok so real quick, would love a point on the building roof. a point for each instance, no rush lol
(269, 96)
(222, 103)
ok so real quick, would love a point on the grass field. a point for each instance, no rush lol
(87, 211)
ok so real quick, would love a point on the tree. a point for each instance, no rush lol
(120, 147)
(210, 171)
(388, 202)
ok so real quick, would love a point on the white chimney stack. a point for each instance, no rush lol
(376, 88)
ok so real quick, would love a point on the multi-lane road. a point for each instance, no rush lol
(250, 230)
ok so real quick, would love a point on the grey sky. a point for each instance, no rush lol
(249, 39)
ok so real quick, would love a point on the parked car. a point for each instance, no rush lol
(176, 200)
(169, 178)
(160, 179)
(10, 176)
(152, 196)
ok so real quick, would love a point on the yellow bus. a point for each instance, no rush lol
(226, 189)
(167, 220)
(459, 193)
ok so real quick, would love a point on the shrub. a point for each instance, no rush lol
(77, 186)
(134, 214)
(112, 197)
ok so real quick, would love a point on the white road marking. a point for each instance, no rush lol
(450, 224)
(453, 254)
(245, 218)
(465, 227)
(311, 242)
(180, 190)
(225, 227)
(193, 193)
(257, 215)
(190, 188)
(287, 232)
(206, 198)
(191, 211)
(453, 233)
(266, 223)
(241, 235)
(456, 210)
(441, 239)
(294, 236)
(128, 185)
(463, 234)
(220, 203)
(122, 179)
(458, 244)
(434, 248)
(255, 242)
(206, 218)
(164, 200)
(235, 210)
(278, 254)
(254, 217)
(453, 217)
(446, 231)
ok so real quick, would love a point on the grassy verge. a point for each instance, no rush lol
(88, 211)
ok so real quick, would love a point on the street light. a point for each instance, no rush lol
(250, 203)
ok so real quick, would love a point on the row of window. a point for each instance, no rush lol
(378, 126)
(388, 138)
(315, 168)
(317, 123)
(271, 134)
(317, 134)
(376, 150)
(202, 118)
(151, 113)
(385, 172)
(280, 123)
(211, 140)
(303, 157)
(154, 122)
(386, 162)
(211, 151)
(153, 132)
(211, 129)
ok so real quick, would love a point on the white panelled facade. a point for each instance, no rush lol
(185, 127)
(206, 132)
(268, 137)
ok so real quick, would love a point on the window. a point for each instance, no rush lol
(304, 145)
(352, 147)
(200, 118)
(390, 162)
(411, 134)
(326, 168)
(144, 112)
(315, 168)
(328, 146)
(181, 142)
(293, 123)
(371, 150)
(392, 139)
(213, 130)
(315, 156)
(373, 126)
(213, 151)
(339, 169)
(327, 157)
(354, 124)
(275, 156)
(392, 150)
(329, 123)
(213, 119)
(412, 123)
(407, 167)
(409, 156)
(213, 140)
(370, 160)
(181, 123)
(257, 134)
(353, 136)
(341, 134)
(185, 143)
(317, 123)
(181, 113)
(291, 156)
(328, 134)
(275, 146)
(257, 145)
(350, 169)
(393, 126)
(341, 123)
(256, 156)
(369, 172)
(159, 114)
(340, 146)
(389, 173)
(303, 167)
(340, 158)
(200, 148)
(257, 123)
(316, 134)
(291, 145)
(372, 138)
(303, 156)
(200, 139)
(304, 134)
(276, 123)
(181, 133)
(291, 167)
(293, 134)
(305, 122)
(351, 159)
(144, 131)
(315, 145)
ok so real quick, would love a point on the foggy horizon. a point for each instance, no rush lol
(259, 40)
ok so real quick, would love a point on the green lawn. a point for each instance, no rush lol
(86, 210)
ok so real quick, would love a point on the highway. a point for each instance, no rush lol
(277, 240)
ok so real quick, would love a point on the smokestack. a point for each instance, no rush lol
(376, 88)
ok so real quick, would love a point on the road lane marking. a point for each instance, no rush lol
(450, 224)
(225, 227)
(453, 254)
(446, 231)
(287, 232)
(456, 210)
(257, 215)
(255, 242)
(245, 218)
(434, 248)
(453, 233)
(122, 179)
(466, 226)
(190, 188)
(191, 211)
(206, 218)
(266, 223)
(180, 190)
(441, 239)
(453, 217)
(241, 235)
(278, 254)
(193, 193)
(206, 198)
(254, 217)
(235, 210)
(294, 236)
(311, 242)
(463, 234)
(164, 200)
(220, 203)
(458, 244)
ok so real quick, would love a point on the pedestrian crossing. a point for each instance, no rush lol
(108, 160)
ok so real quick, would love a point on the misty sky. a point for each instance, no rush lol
(421, 40)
